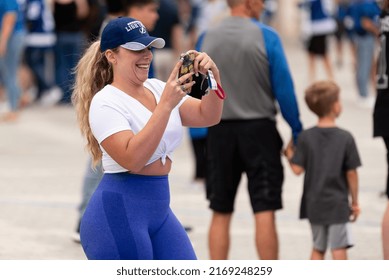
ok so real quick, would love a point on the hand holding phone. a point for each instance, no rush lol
(200, 88)
(187, 65)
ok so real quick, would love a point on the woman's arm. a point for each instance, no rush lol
(134, 151)
(208, 110)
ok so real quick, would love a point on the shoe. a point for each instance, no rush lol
(366, 102)
(51, 97)
(4, 107)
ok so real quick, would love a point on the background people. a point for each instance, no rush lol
(71, 42)
(319, 24)
(39, 52)
(170, 29)
(12, 32)
(365, 14)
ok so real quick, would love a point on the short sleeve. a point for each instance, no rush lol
(352, 159)
(105, 121)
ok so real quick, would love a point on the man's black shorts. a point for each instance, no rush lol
(251, 146)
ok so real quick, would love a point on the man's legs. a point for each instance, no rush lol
(219, 237)
(266, 237)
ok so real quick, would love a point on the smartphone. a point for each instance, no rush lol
(187, 65)
(200, 88)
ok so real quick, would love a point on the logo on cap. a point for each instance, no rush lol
(136, 25)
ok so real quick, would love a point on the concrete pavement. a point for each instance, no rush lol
(42, 160)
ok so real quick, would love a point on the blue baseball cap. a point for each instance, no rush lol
(128, 33)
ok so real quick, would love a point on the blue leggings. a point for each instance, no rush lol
(129, 217)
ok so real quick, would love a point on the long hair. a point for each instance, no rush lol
(93, 72)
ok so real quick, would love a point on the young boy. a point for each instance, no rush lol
(329, 157)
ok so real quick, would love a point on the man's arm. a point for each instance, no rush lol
(281, 81)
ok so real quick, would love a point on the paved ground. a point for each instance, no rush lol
(42, 161)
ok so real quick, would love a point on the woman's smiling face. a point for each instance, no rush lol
(134, 65)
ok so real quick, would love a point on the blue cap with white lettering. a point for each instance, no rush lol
(128, 33)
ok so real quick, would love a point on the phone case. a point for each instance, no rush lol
(200, 88)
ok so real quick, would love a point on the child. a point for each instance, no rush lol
(329, 157)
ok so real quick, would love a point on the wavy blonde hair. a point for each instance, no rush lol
(93, 72)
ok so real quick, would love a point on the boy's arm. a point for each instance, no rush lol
(289, 152)
(352, 180)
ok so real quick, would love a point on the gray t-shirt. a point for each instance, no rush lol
(326, 154)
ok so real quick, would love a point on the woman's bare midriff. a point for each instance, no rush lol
(156, 168)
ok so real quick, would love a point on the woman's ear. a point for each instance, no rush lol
(111, 56)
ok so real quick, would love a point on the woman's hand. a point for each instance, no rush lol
(176, 89)
(203, 63)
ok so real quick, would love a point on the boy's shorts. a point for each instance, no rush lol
(250, 146)
(336, 236)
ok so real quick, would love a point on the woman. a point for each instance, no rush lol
(133, 124)
(381, 110)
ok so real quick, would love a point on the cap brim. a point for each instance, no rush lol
(144, 42)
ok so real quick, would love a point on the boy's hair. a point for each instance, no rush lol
(320, 97)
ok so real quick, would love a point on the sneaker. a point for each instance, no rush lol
(4, 107)
(51, 97)
(366, 102)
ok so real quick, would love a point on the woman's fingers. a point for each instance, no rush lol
(174, 73)
(185, 77)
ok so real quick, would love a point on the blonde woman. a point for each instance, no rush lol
(133, 124)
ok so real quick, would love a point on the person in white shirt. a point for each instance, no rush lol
(133, 124)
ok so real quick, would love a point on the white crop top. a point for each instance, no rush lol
(112, 110)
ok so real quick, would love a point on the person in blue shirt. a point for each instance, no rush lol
(255, 76)
(320, 25)
(40, 42)
(364, 14)
(12, 34)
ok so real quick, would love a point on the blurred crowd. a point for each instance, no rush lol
(42, 40)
